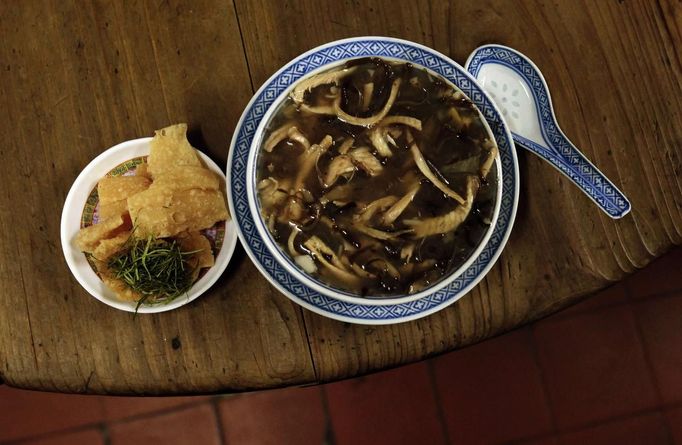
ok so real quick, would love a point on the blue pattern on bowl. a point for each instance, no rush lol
(288, 284)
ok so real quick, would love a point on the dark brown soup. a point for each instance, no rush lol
(377, 177)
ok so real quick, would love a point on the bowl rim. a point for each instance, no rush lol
(287, 262)
(363, 313)
(70, 224)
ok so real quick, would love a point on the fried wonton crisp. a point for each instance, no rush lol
(200, 245)
(111, 246)
(113, 192)
(117, 188)
(116, 208)
(89, 238)
(170, 148)
(142, 170)
(186, 178)
(163, 212)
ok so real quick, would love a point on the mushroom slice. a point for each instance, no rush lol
(399, 207)
(426, 171)
(340, 165)
(367, 212)
(378, 234)
(371, 120)
(309, 159)
(448, 222)
(490, 158)
(366, 161)
(378, 138)
(402, 120)
(308, 84)
(346, 145)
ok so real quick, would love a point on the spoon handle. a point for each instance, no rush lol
(566, 158)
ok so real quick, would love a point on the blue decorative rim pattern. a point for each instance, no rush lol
(561, 153)
(255, 246)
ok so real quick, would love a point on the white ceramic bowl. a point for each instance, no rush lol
(286, 261)
(71, 219)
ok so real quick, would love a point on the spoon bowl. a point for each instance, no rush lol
(519, 90)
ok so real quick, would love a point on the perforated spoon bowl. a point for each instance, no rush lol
(518, 88)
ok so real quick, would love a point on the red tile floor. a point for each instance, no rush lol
(606, 371)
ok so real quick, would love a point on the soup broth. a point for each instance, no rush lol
(377, 177)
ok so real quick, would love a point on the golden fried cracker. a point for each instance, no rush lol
(142, 170)
(202, 208)
(108, 247)
(163, 213)
(195, 241)
(89, 237)
(170, 148)
(116, 188)
(107, 210)
(187, 177)
(122, 291)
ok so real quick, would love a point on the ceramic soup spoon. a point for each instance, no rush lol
(519, 90)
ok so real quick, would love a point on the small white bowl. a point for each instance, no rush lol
(285, 260)
(71, 220)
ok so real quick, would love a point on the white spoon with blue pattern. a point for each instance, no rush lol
(519, 90)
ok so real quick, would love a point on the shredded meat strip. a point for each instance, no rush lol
(399, 207)
(448, 222)
(334, 77)
(371, 120)
(426, 171)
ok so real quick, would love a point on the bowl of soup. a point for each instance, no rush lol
(373, 180)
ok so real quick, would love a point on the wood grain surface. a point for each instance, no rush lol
(79, 77)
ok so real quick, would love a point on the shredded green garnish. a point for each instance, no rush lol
(157, 269)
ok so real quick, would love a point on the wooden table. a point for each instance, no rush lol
(78, 77)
